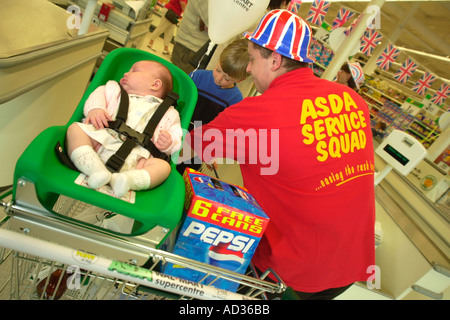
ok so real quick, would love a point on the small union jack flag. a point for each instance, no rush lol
(442, 94)
(294, 6)
(405, 71)
(369, 41)
(387, 57)
(318, 11)
(424, 83)
(342, 17)
(352, 26)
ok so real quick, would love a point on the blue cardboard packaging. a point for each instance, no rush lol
(222, 227)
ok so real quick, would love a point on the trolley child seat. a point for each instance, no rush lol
(40, 165)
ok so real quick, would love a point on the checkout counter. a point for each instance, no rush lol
(413, 257)
(127, 26)
(44, 71)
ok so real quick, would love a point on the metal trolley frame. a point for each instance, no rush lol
(53, 257)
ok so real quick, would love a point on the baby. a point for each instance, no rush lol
(91, 143)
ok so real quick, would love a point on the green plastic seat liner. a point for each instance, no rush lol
(39, 163)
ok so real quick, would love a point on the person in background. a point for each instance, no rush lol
(379, 130)
(306, 154)
(221, 81)
(351, 74)
(192, 34)
(165, 26)
(217, 89)
(246, 86)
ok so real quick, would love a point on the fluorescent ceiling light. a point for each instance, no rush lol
(427, 54)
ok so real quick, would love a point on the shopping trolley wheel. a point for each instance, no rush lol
(47, 290)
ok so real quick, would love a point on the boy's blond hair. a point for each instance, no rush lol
(234, 59)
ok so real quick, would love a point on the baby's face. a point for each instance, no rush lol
(140, 78)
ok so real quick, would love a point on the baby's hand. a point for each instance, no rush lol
(164, 140)
(98, 117)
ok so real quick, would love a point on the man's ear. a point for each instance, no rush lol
(277, 61)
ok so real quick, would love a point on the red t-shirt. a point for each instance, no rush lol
(176, 6)
(306, 154)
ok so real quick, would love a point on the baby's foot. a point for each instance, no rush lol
(99, 179)
(120, 184)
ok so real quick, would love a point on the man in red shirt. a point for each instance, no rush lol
(306, 154)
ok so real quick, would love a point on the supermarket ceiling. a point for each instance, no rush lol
(424, 38)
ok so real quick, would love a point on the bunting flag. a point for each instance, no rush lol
(352, 26)
(405, 71)
(387, 57)
(342, 17)
(442, 94)
(424, 83)
(369, 41)
(318, 11)
(294, 6)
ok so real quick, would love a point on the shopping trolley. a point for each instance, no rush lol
(53, 253)
(41, 269)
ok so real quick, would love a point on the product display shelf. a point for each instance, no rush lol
(374, 104)
(322, 54)
(376, 100)
(423, 129)
(380, 95)
(390, 110)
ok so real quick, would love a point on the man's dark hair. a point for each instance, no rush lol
(289, 64)
(276, 4)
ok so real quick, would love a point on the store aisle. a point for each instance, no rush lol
(158, 46)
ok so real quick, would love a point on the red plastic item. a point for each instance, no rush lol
(105, 10)
(52, 286)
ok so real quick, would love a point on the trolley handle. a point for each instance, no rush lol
(124, 271)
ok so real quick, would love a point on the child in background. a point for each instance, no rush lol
(90, 143)
(219, 84)
(217, 88)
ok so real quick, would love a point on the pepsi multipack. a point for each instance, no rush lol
(222, 226)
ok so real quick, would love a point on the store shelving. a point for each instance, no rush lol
(385, 108)
(322, 54)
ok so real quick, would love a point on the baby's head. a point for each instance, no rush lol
(148, 78)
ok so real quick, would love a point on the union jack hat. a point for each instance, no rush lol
(357, 73)
(284, 32)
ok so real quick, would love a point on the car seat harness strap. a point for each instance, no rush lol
(131, 137)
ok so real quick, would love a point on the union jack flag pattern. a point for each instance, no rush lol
(405, 71)
(318, 11)
(424, 83)
(285, 33)
(387, 57)
(342, 17)
(294, 6)
(442, 94)
(369, 41)
(352, 26)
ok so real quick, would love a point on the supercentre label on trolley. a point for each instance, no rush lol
(222, 227)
